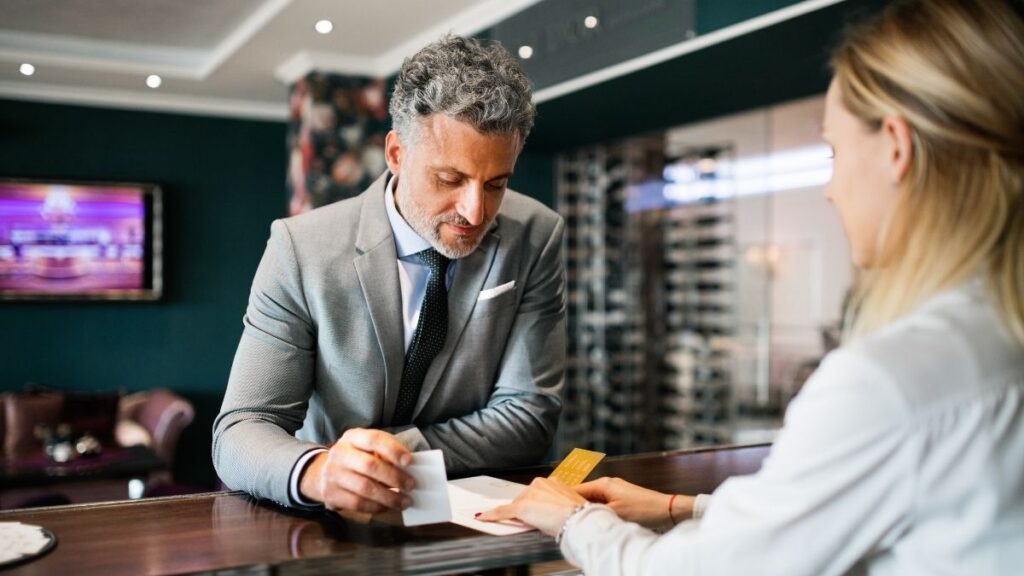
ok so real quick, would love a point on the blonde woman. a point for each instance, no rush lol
(904, 453)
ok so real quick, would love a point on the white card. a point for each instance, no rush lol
(430, 497)
(480, 494)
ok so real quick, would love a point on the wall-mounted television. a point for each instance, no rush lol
(80, 240)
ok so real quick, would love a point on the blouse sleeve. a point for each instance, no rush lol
(836, 485)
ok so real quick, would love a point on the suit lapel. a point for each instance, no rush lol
(377, 269)
(469, 279)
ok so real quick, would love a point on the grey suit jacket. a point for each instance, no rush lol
(322, 348)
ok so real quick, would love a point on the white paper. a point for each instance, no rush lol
(479, 494)
(430, 497)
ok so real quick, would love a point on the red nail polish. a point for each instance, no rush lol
(477, 515)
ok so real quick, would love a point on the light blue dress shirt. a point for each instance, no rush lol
(412, 274)
(412, 277)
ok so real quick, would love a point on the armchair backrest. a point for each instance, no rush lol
(164, 414)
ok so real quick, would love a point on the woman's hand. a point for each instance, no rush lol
(635, 504)
(545, 505)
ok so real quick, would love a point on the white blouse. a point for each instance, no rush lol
(903, 454)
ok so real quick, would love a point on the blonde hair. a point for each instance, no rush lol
(954, 70)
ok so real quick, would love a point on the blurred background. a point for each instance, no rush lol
(679, 139)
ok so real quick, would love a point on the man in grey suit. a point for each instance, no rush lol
(415, 316)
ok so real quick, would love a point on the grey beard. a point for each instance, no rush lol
(429, 228)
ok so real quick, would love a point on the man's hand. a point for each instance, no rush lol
(358, 473)
(637, 504)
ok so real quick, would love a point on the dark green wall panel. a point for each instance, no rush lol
(715, 14)
(535, 176)
(223, 184)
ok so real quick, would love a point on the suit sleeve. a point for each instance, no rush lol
(518, 423)
(254, 444)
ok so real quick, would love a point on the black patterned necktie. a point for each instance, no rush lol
(427, 341)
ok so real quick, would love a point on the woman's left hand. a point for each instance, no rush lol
(545, 505)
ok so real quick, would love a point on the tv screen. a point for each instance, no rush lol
(80, 241)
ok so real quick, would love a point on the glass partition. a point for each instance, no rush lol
(705, 279)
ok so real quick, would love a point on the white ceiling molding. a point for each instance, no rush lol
(491, 12)
(680, 49)
(479, 17)
(110, 56)
(150, 101)
(242, 73)
(239, 36)
(104, 56)
(295, 67)
(302, 63)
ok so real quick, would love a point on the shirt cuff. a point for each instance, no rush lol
(577, 524)
(700, 504)
(293, 482)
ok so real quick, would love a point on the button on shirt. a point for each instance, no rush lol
(412, 279)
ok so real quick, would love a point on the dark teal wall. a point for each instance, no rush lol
(223, 184)
(535, 176)
(715, 14)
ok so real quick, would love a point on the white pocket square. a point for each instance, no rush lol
(496, 291)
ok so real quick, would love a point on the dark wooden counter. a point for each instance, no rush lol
(223, 530)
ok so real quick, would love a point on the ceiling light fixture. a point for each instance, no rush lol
(590, 22)
(27, 69)
(525, 52)
(324, 26)
(154, 81)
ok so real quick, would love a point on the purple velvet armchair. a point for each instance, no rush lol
(154, 418)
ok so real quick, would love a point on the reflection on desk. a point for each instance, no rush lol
(228, 530)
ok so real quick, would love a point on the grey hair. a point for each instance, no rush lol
(462, 78)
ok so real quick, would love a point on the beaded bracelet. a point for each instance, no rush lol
(576, 510)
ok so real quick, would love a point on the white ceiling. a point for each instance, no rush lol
(238, 57)
(223, 57)
(187, 23)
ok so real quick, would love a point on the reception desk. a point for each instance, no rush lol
(228, 530)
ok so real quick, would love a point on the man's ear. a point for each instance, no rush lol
(394, 152)
(899, 147)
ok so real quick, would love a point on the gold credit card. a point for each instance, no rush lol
(575, 467)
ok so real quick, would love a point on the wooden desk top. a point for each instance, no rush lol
(215, 531)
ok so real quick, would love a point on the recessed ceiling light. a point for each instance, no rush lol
(324, 26)
(590, 21)
(27, 69)
(525, 52)
(154, 81)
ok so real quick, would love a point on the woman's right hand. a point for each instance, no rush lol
(648, 508)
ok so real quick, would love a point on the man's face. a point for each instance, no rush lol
(450, 181)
